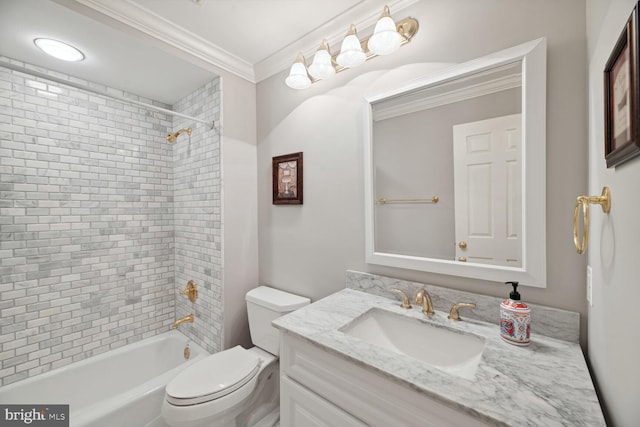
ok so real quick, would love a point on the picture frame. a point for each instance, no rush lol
(287, 179)
(621, 97)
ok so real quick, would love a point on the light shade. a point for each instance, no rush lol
(59, 50)
(351, 53)
(385, 39)
(298, 77)
(321, 67)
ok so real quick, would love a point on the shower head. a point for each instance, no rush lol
(172, 137)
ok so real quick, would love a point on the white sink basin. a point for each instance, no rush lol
(447, 349)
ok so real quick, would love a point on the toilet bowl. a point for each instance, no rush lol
(237, 386)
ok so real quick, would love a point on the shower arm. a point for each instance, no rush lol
(172, 137)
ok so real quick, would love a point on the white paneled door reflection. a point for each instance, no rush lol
(488, 191)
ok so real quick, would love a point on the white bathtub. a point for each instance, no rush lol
(122, 387)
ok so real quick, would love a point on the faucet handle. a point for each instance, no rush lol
(405, 299)
(453, 313)
(190, 291)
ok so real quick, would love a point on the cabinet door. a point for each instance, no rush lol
(301, 407)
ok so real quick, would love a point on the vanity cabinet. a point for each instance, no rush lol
(299, 406)
(319, 388)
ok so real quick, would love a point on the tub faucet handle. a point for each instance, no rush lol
(405, 299)
(190, 291)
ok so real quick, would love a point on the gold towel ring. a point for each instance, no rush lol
(604, 200)
(581, 247)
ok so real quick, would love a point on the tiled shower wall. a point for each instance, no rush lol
(197, 217)
(87, 237)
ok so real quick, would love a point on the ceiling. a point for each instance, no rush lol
(165, 49)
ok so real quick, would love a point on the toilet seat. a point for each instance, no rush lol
(213, 377)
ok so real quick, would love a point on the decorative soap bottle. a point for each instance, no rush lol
(515, 318)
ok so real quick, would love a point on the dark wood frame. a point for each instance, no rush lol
(278, 198)
(619, 151)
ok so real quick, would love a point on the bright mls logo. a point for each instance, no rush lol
(36, 415)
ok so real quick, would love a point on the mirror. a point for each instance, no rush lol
(455, 170)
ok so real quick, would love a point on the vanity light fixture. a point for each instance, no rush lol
(59, 49)
(387, 37)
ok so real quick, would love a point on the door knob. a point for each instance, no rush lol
(462, 245)
(462, 259)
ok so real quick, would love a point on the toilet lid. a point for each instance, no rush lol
(213, 377)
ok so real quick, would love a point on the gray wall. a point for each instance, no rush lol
(239, 205)
(306, 249)
(613, 246)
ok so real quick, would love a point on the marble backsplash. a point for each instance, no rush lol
(548, 321)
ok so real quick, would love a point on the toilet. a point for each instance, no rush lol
(237, 386)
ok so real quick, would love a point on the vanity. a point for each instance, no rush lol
(337, 369)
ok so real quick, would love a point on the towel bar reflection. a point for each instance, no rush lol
(604, 201)
(383, 201)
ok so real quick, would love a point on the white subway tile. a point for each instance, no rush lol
(103, 252)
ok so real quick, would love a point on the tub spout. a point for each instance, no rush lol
(185, 319)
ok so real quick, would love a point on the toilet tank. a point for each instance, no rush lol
(265, 304)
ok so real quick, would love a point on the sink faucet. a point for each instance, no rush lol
(405, 299)
(186, 319)
(423, 298)
(453, 314)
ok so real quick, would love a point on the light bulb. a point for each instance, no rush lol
(298, 77)
(321, 67)
(351, 53)
(385, 39)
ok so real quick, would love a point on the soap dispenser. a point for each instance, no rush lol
(515, 318)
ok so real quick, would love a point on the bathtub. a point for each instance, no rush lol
(122, 387)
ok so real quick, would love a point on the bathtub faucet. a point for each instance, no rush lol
(185, 319)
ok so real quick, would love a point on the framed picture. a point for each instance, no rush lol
(287, 179)
(621, 97)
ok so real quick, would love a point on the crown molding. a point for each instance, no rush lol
(334, 31)
(399, 106)
(139, 19)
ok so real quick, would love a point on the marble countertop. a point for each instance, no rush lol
(544, 384)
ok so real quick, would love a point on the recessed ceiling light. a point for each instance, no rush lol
(59, 50)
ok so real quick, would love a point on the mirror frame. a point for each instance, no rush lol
(533, 271)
